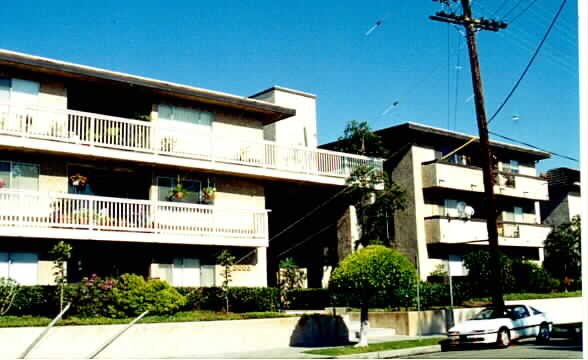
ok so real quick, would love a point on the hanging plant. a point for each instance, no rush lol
(78, 180)
(179, 191)
(208, 192)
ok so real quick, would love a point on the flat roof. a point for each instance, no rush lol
(267, 111)
(440, 133)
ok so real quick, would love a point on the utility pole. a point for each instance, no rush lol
(471, 25)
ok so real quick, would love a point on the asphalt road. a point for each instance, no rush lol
(525, 349)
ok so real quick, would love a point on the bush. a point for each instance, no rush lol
(309, 299)
(38, 300)
(242, 299)
(481, 275)
(132, 295)
(531, 277)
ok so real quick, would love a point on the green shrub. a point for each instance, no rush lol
(242, 299)
(308, 299)
(38, 300)
(531, 277)
(92, 297)
(132, 295)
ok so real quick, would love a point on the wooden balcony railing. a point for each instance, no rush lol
(111, 132)
(28, 209)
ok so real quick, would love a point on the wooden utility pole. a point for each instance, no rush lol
(471, 25)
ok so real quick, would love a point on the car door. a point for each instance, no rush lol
(522, 322)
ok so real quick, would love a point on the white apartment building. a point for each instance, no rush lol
(146, 176)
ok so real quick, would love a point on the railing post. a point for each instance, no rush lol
(43, 334)
(116, 336)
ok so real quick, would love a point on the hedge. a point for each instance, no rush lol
(241, 299)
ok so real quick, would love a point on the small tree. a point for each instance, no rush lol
(290, 277)
(359, 139)
(60, 253)
(8, 290)
(376, 198)
(480, 274)
(563, 256)
(371, 271)
(226, 260)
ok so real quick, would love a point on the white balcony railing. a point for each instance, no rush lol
(110, 132)
(28, 209)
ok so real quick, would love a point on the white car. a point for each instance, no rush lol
(490, 326)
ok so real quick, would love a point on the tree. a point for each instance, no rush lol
(481, 275)
(371, 271)
(60, 253)
(290, 277)
(226, 260)
(359, 139)
(376, 198)
(563, 257)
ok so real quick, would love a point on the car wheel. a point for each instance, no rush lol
(503, 339)
(544, 334)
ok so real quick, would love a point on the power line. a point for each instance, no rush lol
(512, 9)
(522, 12)
(532, 146)
(307, 239)
(530, 62)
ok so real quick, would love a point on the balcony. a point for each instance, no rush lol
(444, 230)
(81, 133)
(68, 216)
(469, 178)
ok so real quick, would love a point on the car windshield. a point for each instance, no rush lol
(490, 313)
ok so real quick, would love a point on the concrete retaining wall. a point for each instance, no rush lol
(190, 339)
(560, 310)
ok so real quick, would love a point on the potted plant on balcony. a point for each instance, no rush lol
(179, 191)
(78, 181)
(208, 194)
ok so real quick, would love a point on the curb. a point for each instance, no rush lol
(394, 353)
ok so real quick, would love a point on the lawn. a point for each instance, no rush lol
(27, 320)
(384, 346)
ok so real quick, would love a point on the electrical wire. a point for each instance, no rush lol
(307, 239)
(533, 146)
(512, 9)
(529, 63)
(510, 22)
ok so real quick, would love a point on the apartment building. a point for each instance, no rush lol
(445, 212)
(564, 196)
(147, 176)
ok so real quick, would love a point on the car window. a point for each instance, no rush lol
(519, 312)
(535, 311)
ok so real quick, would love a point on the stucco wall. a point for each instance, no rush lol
(239, 193)
(409, 224)
(299, 129)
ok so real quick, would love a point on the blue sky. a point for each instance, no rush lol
(242, 47)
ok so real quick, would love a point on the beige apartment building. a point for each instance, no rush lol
(446, 209)
(147, 176)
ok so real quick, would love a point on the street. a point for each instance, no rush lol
(525, 349)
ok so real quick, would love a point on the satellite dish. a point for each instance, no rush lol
(469, 212)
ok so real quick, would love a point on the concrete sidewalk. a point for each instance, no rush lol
(291, 352)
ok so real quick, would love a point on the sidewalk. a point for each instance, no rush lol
(298, 352)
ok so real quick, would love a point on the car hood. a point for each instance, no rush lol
(486, 325)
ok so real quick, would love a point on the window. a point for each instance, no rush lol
(166, 184)
(185, 115)
(186, 272)
(19, 176)
(511, 167)
(19, 266)
(516, 215)
(451, 208)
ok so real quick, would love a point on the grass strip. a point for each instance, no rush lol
(28, 321)
(384, 346)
